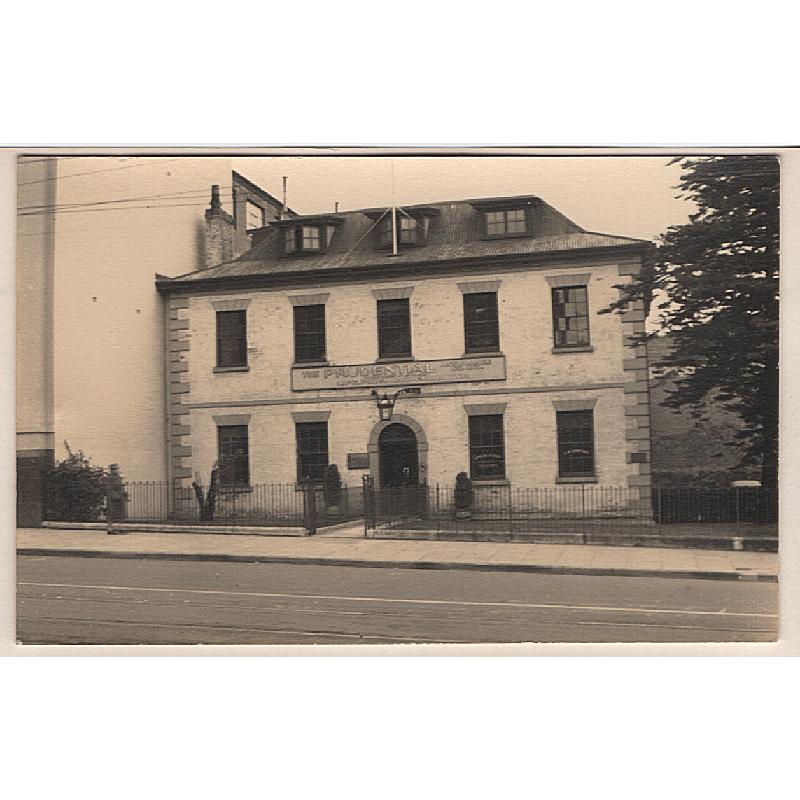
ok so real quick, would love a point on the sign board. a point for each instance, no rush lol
(358, 461)
(399, 373)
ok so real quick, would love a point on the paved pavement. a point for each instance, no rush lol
(347, 549)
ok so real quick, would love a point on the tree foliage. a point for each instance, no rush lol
(76, 489)
(717, 279)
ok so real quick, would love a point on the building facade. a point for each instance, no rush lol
(487, 309)
(91, 233)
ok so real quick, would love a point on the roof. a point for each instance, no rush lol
(456, 234)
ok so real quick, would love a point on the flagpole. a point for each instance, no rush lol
(394, 216)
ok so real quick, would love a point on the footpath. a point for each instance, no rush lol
(348, 547)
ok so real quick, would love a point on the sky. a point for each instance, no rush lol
(623, 195)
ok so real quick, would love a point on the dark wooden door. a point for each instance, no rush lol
(400, 491)
(399, 459)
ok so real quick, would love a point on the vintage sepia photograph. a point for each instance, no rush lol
(397, 397)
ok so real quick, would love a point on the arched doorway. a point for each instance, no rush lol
(398, 456)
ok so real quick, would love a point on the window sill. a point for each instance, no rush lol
(311, 364)
(581, 348)
(244, 368)
(490, 482)
(390, 359)
(235, 489)
(580, 479)
(487, 354)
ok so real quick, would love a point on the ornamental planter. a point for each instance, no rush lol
(462, 496)
(332, 490)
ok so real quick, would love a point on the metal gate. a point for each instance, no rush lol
(393, 504)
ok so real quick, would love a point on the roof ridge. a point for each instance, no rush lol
(619, 236)
(462, 200)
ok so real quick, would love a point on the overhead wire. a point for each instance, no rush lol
(97, 171)
(365, 234)
(177, 195)
(23, 160)
(152, 206)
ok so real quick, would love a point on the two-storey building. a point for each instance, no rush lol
(489, 307)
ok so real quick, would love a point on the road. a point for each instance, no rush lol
(137, 601)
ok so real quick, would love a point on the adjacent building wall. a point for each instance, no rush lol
(109, 346)
(34, 332)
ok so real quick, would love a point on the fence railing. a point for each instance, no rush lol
(499, 508)
(504, 509)
(274, 504)
(710, 506)
(259, 504)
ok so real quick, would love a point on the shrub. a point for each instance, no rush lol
(76, 489)
(332, 485)
(462, 497)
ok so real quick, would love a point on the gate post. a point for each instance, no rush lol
(424, 501)
(369, 503)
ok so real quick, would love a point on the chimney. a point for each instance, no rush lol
(219, 232)
(216, 205)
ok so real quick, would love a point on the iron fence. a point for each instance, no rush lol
(579, 509)
(260, 504)
(735, 505)
(500, 509)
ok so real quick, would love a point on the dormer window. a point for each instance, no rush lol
(412, 226)
(308, 237)
(291, 240)
(310, 234)
(303, 239)
(506, 222)
(502, 217)
(407, 231)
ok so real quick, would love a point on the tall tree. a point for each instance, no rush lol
(717, 282)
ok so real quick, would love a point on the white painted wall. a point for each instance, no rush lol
(437, 332)
(34, 288)
(108, 368)
(525, 317)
